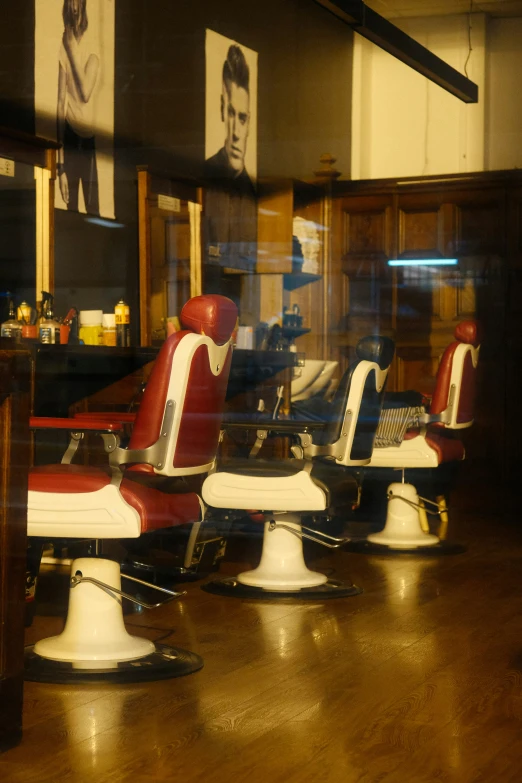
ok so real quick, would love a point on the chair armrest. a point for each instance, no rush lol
(283, 426)
(288, 427)
(123, 418)
(74, 425)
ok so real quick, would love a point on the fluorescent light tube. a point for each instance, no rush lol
(423, 262)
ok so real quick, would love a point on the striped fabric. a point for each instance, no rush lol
(393, 424)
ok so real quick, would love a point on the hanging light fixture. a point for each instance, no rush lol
(387, 36)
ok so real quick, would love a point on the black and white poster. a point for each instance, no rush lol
(230, 151)
(74, 99)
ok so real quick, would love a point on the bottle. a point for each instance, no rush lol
(109, 328)
(25, 313)
(49, 332)
(12, 327)
(122, 317)
(91, 329)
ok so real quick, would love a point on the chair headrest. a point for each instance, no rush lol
(468, 332)
(376, 349)
(212, 315)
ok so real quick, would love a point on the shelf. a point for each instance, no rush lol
(291, 332)
(293, 280)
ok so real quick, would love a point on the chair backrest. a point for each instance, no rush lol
(455, 385)
(356, 406)
(181, 408)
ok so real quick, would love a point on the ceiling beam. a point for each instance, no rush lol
(380, 31)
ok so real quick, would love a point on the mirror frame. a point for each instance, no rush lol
(150, 186)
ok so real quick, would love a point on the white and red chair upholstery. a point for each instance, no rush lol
(175, 434)
(319, 481)
(426, 433)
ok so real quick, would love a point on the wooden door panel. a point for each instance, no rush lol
(367, 232)
(480, 217)
(366, 226)
(416, 369)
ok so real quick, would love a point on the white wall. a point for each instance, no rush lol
(504, 89)
(403, 124)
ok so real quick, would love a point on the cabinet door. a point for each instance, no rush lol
(425, 293)
(364, 296)
(482, 294)
(274, 226)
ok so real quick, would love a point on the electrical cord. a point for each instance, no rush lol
(470, 48)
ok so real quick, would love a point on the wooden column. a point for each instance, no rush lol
(14, 462)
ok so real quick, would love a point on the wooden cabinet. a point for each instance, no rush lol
(475, 219)
(14, 465)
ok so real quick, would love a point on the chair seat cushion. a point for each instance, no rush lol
(157, 509)
(447, 449)
(282, 485)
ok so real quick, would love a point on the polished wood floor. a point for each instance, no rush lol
(419, 679)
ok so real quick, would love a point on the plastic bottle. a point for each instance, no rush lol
(109, 328)
(122, 314)
(91, 329)
(12, 327)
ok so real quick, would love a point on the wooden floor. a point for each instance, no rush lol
(418, 679)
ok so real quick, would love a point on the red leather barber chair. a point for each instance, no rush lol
(418, 433)
(175, 435)
(319, 481)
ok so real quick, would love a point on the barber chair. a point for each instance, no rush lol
(144, 489)
(320, 480)
(416, 432)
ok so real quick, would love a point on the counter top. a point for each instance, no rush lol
(64, 374)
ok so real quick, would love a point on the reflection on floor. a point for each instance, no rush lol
(419, 679)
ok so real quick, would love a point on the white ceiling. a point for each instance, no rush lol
(392, 9)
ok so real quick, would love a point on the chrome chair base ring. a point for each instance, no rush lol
(229, 586)
(365, 547)
(165, 662)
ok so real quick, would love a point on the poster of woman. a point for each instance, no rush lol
(74, 99)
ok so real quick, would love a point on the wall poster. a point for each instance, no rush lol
(230, 152)
(74, 99)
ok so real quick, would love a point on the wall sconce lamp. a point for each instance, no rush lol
(383, 33)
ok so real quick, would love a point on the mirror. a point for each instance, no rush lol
(27, 165)
(169, 250)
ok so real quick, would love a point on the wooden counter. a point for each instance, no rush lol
(14, 462)
(65, 375)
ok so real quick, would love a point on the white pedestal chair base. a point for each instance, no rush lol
(403, 533)
(94, 644)
(282, 571)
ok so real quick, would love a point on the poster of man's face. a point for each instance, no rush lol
(231, 107)
(74, 99)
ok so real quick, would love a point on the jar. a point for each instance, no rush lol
(109, 329)
(91, 329)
